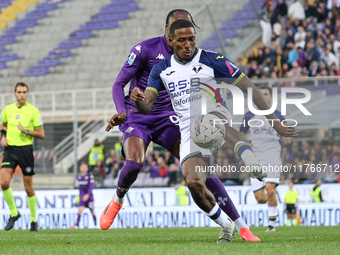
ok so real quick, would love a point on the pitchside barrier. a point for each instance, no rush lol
(150, 208)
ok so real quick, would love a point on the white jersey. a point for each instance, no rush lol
(265, 139)
(188, 82)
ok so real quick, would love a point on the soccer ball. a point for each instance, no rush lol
(206, 132)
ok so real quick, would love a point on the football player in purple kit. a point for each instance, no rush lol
(86, 185)
(160, 126)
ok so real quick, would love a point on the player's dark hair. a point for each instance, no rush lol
(20, 84)
(172, 13)
(268, 88)
(180, 23)
(83, 163)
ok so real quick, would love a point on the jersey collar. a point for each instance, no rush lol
(21, 106)
(185, 62)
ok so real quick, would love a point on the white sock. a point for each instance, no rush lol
(220, 217)
(272, 215)
(240, 224)
(118, 199)
(247, 155)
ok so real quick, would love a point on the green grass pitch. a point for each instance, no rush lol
(286, 240)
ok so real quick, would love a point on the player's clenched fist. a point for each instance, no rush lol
(137, 95)
(286, 130)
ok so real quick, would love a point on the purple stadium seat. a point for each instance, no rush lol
(8, 40)
(5, 3)
(111, 17)
(3, 66)
(70, 44)
(16, 31)
(98, 25)
(8, 57)
(59, 53)
(117, 9)
(48, 62)
(36, 15)
(47, 7)
(26, 23)
(234, 24)
(81, 34)
(211, 44)
(121, 2)
(34, 71)
(2, 49)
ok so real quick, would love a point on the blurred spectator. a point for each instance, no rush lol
(181, 193)
(174, 173)
(110, 161)
(160, 169)
(100, 168)
(266, 26)
(96, 153)
(282, 9)
(98, 179)
(293, 55)
(243, 67)
(169, 158)
(118, 147)
(296, 11)
(316, 194)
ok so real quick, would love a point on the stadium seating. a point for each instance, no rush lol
(107, 18)
(10, 10)
(228, 29)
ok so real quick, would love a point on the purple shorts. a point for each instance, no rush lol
(162, 129)
(88, 203)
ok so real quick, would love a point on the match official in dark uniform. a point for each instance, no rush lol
(21, 122)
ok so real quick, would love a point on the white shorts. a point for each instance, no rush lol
(272, 177)
(188, 148)
(258, 185)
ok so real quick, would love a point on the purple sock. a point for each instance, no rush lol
(94, 220)
(78, 220)
(222, 198)
(127, 176)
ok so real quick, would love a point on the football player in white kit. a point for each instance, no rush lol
(181, 75)
(265, 143)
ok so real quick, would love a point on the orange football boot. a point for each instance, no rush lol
(248, 236)
(109, 214)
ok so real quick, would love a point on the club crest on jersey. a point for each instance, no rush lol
(132, 58)
(160, 56)
(17, 117)
(197, 68)
(138, 48)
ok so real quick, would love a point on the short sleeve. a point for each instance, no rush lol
(279, 115)
(225, 70)
(155, 82)
(4, 115)
(244, 126)
(37, 120)
(135, 60)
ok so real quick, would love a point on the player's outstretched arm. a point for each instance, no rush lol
(143, 102)
(260, 102)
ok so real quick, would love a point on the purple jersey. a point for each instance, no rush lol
(136, 69)
(86, 185)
